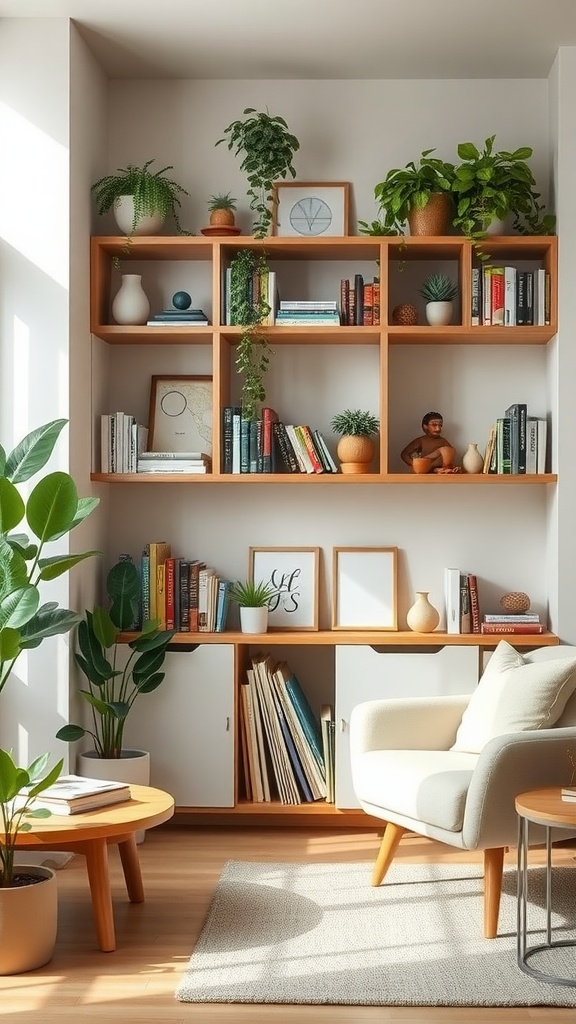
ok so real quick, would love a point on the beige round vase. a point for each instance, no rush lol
(355, 453)
(422, 617)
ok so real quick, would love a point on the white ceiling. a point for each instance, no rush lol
(313, 39)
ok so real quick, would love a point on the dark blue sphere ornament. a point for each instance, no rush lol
(181, 300)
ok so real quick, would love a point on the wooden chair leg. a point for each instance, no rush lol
(390, 840)
(493, 867)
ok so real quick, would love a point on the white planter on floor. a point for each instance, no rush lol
(28, 922)
(132, 767)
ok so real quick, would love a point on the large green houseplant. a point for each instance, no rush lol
(268, 149)
(114, 682)
(410, 189)
(494, 184)
(151, 195)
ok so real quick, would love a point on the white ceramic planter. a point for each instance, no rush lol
(254, 620)
(132, 767)
(28, 922)
(439, 314)
(124, 214)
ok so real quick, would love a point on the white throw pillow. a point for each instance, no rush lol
(514, 695)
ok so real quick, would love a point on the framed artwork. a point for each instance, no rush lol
(294, 573)
(180, 414)
(311, 209)
(364, 586)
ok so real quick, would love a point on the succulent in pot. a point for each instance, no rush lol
(253, 599)
(141, 199)
(439, 291)
(222, 208)
(355, 448)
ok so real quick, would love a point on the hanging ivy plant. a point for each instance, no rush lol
(248, 309)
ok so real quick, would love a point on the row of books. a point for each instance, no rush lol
(263, 288)
(461, 601)
(181, 593)
(267, 445)
(527, 622)
(508, 297)
(283, 753)
(359, 302)
(516, 443)
(122, 440)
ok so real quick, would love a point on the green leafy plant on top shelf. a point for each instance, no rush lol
(405, 189)
(114, 682)
(355, 423)
(493, 184)
(249, 594)
(268, 147)
(152, 193)
(50, 511)
(438, 288)
(19, 789)
(249, 311)
(222, 202)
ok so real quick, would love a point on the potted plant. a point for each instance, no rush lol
(268, 148)
(50, 510)
(253, 600)
(491, 185)
(222, 209)
(249, 310)
(355, 447)
(141, 199)
(438, 290)
(419, 193)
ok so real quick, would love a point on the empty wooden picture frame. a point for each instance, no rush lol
(364, 588)
(294, 572)
(180, 417)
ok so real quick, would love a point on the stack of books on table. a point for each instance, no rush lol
(304, 313)
(174, 462)
(528, 622)
(74, 794)
(179, 318)
(568, 793)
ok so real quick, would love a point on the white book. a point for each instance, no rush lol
(173, 455)
(452, 599)
(302, 454)
(509, 296)
(105, 443)
(309, 304)
(531, 445)
(542, 440)
(540, 311)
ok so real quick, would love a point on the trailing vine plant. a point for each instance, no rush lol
(268, 148)
(248, 309)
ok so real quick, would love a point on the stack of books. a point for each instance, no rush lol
(304, 313)
(122, 439)
(74, 794)
(508, 297)
(174, 462)
(516, 443)
(528, 622)
(179, 318)
(267, 445)
(184, 594)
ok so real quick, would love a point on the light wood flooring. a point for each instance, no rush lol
(181, 866)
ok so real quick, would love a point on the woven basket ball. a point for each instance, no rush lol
(516, 601)
(404, 315)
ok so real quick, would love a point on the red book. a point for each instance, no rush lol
(474, 603)
(311, 448)
(497, 295)
(269, 416)
(512, 627)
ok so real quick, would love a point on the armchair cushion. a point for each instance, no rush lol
(515, 695)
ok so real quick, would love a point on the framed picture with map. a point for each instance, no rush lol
(180, 414)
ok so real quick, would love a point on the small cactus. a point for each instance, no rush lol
(438, 288)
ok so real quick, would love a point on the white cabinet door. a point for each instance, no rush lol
(363, 673)
(187, 724)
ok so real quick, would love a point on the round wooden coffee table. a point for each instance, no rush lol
(543, 807)
(90, 834)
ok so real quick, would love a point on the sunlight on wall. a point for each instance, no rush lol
(21, 371)
(34, 190)
(23, 747)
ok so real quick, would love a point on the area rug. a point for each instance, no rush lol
(320, 933)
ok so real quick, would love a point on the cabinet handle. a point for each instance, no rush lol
(342, 725)
(227, 723)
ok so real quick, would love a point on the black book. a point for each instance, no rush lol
(358, 300)
(183, 624)
(285, 451)
(227, 417)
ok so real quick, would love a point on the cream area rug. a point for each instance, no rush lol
(320, 933)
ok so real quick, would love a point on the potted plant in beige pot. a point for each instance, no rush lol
(253, 600)
(355, 448)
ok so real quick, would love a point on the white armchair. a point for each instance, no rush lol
(425, 766)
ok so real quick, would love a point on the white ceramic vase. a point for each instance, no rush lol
(439, 314)
(133, 767)
(422, 617)
(472, 460)
(130, 305)
(28, 922)
(254, 620)
(149, 224)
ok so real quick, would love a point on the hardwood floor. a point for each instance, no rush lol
(181, 866)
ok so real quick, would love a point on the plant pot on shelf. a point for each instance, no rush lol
(254, 620)
(420, 464)
(355, 452)
(432, 219)
(146, 224)
(439, 314)
(133, 767)
(28, 921)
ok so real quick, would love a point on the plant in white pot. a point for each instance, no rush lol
(49, 511)
(253, 600)
(439, 291)
(140, 199)
(117, 674)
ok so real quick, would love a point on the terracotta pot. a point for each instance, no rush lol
(421, 464)
(222, 218)
(432, 219)
(355, 453)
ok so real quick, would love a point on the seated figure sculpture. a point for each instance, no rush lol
(431, 445)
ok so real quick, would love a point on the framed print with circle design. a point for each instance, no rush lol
(364, 582)
(316, 209)
(180, 414)
(294, 573)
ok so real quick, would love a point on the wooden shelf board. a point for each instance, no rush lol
(330, 479)
(405, 639)
(319, 814)
(141, 335)
(458, 335)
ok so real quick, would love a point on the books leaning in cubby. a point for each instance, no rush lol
(183, 594)
(359, 302)
(516, 443)
(508, 297)
(122, 439)
(281, 738)
(267, 445)
(461, 601)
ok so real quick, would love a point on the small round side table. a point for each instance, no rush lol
(543, 807)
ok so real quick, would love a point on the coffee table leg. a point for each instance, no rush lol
(96, 853)
(131, 867)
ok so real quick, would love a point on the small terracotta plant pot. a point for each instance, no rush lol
(355, 453)
(421, 464)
